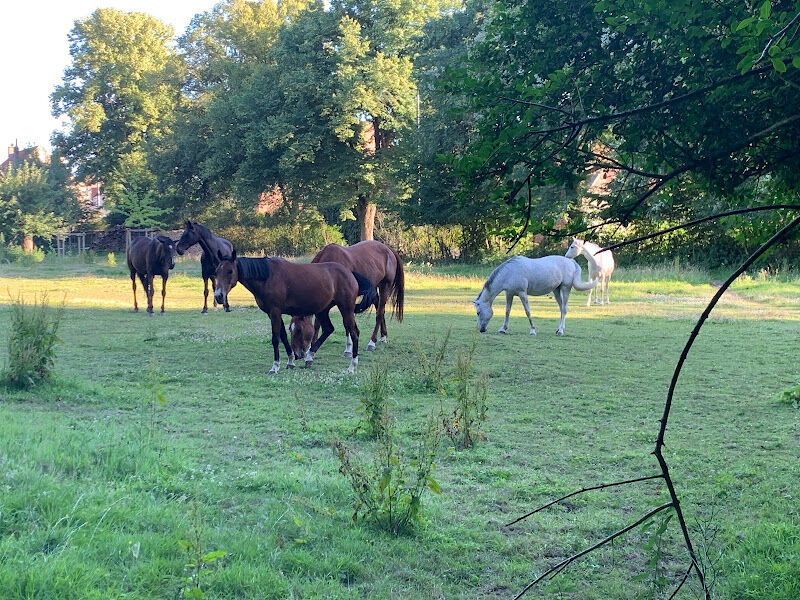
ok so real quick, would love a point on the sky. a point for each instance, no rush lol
(33, 34)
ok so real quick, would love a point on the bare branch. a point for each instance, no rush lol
(560, 566)
(683, 580)
(729, 213)
(581, 491)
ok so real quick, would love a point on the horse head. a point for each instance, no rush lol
(575, 248)
(302, 333)
(227, 275)
(189, 237)
(166, 250)
(484, 311)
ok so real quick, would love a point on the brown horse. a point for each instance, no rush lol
(301, 330)
(194, 233)
(383, 267)
(148, 257)
(284, 288)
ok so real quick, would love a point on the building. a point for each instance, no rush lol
(17, 157)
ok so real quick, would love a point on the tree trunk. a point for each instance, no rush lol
(27, 243)
(366, 217)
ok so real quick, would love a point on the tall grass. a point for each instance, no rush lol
(32, 343)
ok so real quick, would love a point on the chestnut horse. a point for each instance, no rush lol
(383, 267)
(148, 257)
(194, 233)
(284, 288)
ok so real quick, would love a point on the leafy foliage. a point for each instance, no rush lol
(374, 397)
(464, 426)
(32, 341)
(389, 490)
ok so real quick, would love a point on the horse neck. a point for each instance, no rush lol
(588, 251)
(207, 242)
(489, 293)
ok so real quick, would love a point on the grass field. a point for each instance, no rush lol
(96, 490)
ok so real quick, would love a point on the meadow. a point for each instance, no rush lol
(163, 430)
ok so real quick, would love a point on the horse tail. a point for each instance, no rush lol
(578, 283)
(398, 287)
(368, 292)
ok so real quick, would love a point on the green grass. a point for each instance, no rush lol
(95, 492)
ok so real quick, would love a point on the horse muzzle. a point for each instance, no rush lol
(219, 297)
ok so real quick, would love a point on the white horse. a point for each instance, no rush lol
(600, 265)
(520, 276)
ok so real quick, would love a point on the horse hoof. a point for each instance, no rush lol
(533, 331)
(371, 345)
(501, 331)
(308, 364)
(227, 309)
(204, 311)
(149, 314)
(290, 366)
(559, 332)
(135, 310)
(163, 312)
(347, 353)
(383, 340)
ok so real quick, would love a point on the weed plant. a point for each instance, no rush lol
(430, 365)
(389, 490)
(374, 399)
(32, 343)
(464, 427)
(199, 562)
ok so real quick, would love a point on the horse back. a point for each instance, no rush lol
(306, 289)
(372, 259)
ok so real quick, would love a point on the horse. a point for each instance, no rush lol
(148, 257)
(520, 276)
(600, 265)
(383, 267)
(284, 288)
(194, 233)
(301, 330)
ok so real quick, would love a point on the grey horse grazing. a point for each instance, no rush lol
(521, 276)
(601, 265)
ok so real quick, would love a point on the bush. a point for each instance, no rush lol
(464, 427)
(790, 396)
(17, 255)
(389, 491)
(31, 346)
(374, 390)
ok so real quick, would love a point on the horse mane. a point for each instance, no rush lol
(253, 268)
(499, 269)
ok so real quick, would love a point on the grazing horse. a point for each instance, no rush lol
(302, 332)
(520, 276)
(194, 233)
(600, 265)
(284, 288)
(383, 267)
(149, 257)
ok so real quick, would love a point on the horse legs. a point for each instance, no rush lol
(147, 282)
(205, 295)
(163, 291)
(323, 319)
(561, 294)
(523, 297)
(288, 346)
(607, 279)
(589, 298)
(350, 326)
(133, 283)
(278, 332)
(380, 317)
(348, 346)
(509, 300)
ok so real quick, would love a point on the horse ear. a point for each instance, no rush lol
(188, 224)
(233, 254)
(291, 326)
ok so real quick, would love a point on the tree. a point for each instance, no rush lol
(132, 196)
(34, 203)
(119, 92)
(688, 105)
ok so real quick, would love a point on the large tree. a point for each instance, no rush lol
(118, 93)
(691, 105)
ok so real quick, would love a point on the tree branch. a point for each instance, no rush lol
(560, 566)
(776, 38)
(581, 491)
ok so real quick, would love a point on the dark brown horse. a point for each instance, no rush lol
(194, 233)
(284, 288)
(148, 257)
(383, 267)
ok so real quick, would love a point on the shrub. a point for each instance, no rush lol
(430, 365)
(374, 390)
(389, 491)
(31, 345)
(112, 259)
(464, 427)
(790, 396)
(16, 254)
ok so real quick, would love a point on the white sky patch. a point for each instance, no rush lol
(36, 52)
